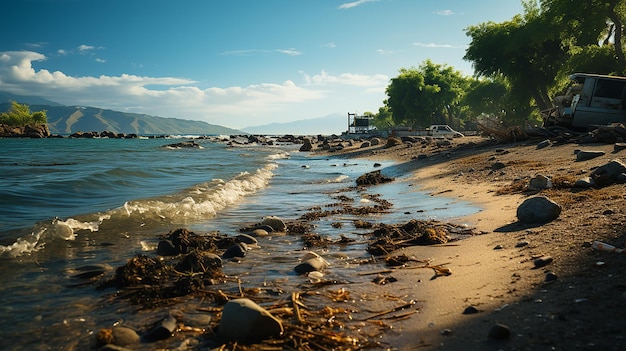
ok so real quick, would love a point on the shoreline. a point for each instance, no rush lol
(494, 272)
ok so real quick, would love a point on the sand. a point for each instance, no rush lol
(494, 272)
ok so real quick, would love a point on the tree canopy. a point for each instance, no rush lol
(519, 65)
(20, 115)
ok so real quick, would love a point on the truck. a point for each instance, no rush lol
(590, 100)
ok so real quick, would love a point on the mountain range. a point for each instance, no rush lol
(71, 119)
(64, 119)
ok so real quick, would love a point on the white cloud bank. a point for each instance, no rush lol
(234, 107)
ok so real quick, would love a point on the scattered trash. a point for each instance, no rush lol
(598, 245)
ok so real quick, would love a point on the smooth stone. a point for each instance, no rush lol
(276, 223)
(123, 336)
(237, 250)
(585, 183)
(247, 239)
(550, 277)
(538, 209)
(470, 310)
(162, 330)
(539, 182)
(584, 155)
(499, 332)
(311, 262)
(243, 320)
(260, 232)
(542, 261)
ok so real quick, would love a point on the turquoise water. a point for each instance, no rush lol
(67, 203)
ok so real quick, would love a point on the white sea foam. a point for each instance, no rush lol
(200, 202)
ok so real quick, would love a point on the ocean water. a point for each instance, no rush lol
(70, 203)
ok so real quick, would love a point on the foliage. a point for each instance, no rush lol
(20, 115)
(423, 96)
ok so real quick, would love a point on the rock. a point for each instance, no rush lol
(585, 183)
(239, 250)
(184, 145)
(539, 182)
(123, 336)
(522, 243)
(610, 173)
(499, 332)
(542, 261)
(373, 178)
(538, 210)
(550, 277)
(275, 223)
(245, 321)
(247, 239)
(544, 144)
(311, 262)
(162, 329)
(376, 165)
(393, 141)
(584, 155)
(470, 310)
(617, 147)
(497, 166)
(260, 232)
(307, 146)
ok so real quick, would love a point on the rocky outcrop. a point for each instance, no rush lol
(29, 131)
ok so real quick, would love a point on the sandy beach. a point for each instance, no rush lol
(574, 302)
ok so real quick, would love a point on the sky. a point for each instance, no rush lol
(234, 63)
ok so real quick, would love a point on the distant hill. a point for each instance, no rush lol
(331, 124)
(29, 100)
(70, 119)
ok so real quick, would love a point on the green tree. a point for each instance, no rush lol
(427, 95)
(20, 115)
(526, 50)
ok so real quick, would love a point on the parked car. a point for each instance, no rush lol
(590, 100)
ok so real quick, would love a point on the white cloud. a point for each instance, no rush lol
(290, 52)
(384, 52)
(176, 97)
(85, 48)
(329, 45)
(349, 5)
(445, 46)
(99, 60)
(445, 12)
(357, 80)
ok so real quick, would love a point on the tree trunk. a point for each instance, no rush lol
(619, 52)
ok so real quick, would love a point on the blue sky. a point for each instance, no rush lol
(235, 63)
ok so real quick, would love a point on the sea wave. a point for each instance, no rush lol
(200, 202)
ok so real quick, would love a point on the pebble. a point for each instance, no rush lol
(550, 277)
(522, 244)
(123, 336)
(244, 320)
(499, 332)
(470, 310)
(542, 261)
(162, 330)
(238, 250)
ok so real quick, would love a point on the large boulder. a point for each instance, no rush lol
(245, 321)
(537, 210)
